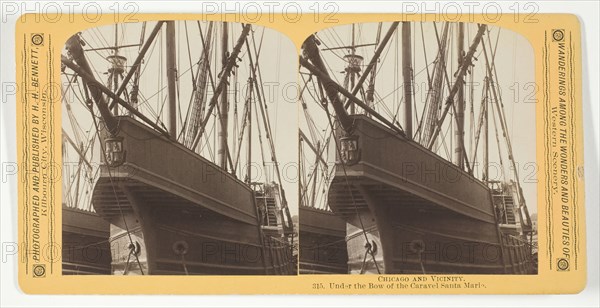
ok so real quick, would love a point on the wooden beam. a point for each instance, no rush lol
(92, 82)
(138, 61)
(333, 87)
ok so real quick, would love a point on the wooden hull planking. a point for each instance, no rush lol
(424, 214)
(322, 242)
(183, 214)
(85, 244)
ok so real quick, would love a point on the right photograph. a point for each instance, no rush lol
(417, 150)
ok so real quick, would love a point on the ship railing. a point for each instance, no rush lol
(519, 253)
(89, 209)
(523, 241)
(324, 209)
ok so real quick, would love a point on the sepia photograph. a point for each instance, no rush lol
(417, 150)
(174, 145)
(259, 153)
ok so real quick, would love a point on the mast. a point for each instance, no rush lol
(371, 87)
(352, 107)
(249, 153)
(460, 103)
(485, 133)
(135, 89)
(315, 174)
(171, 78)
(114, 73)
(223, 105)
(407, 78)
(76, 205)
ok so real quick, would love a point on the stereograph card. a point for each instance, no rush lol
(346, 154)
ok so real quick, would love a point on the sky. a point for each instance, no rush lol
(514, 62)
(276, 57)
(279, 71)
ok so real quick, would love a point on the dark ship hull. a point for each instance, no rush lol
(86, 250)
(423, 214)
(183, 214)
(322, 242)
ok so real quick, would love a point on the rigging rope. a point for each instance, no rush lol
(200, 86)
(337, 146)
(103, 150)
(434, 95)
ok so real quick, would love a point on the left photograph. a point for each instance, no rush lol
(172, 164)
